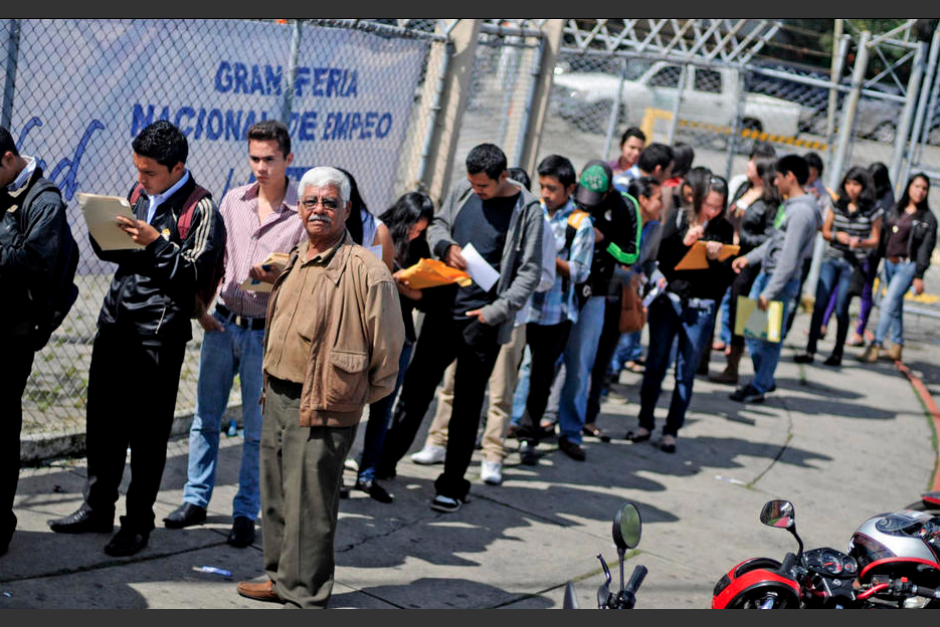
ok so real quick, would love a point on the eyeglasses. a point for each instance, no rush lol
(330, 204)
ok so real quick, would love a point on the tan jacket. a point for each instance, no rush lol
(357, 341)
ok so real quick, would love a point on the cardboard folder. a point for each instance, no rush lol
(697, 259)
(433, 273)
(750, 321)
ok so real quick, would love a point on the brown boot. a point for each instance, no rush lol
(870, 354)
(730, 374)
(894, 353)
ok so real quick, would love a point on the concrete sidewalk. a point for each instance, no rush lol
(841, 444)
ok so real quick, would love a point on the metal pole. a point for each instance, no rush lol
(509, 87)
(435, 110)
(836, 79)
(674, 122)
(534, 75)
(736, 123)
(9, 87)
(287, 104)
(904, 129)
(615, 110)
(921, 127)
(845, 141)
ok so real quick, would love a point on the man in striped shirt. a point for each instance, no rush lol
(260, 218)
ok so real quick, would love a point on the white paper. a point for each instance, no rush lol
(479, 269)
(101, 214)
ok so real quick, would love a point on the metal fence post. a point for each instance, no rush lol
(288, 104)
(674, 122)
(435, 110)
(928, 92)
(615, 110)
(519, 149)
(736, 124)
(509, 88)
(904, 129)
(836, 77)
(845, 141)
(9, 87)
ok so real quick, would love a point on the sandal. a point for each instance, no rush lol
(634, 367)
(640, 435)
(593, 430)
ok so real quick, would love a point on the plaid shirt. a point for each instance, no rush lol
(553, 306)
(249, 243)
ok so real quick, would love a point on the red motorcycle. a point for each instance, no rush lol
(886, 567)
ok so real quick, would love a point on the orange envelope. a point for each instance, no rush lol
(696, 258)
(433, 273)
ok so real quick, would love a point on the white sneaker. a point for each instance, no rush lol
(491, 472)
(430, 454)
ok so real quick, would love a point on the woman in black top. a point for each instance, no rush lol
(853, 229)
(407, 221)
(910, 236)
(755, 207)
(687, 308)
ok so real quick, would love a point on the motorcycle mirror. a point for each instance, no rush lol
(778, 514)
(571, 601)
(627, 527)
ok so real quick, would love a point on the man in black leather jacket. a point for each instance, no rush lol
(34, 242)
(143, 329)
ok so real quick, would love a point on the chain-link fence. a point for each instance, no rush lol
(500, 91)
(76, 93)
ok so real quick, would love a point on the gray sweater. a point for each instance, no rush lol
(521, 265)
(790, 243)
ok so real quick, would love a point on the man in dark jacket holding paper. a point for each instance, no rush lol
(35, 242)
(503, 224)
(143, 329)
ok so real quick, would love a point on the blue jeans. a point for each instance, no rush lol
(724, 315)
(766, 355)
(629, 348)
(380, 415)
(579, 361)
(899, 277)
(225, 354)
(835, 278)
(521, 395)
(693, 327)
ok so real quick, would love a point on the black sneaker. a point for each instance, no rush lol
(834, 360)
(127, 542)
(804, 358)
(528, 454)
(445, 504)
(572, 450)
(747, 394)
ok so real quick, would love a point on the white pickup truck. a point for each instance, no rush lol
(709, 96)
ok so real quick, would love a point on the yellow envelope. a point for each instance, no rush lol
(276, 259)
(751, 322)
(697, 259)
(433, 273)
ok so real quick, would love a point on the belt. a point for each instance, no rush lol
(252, 324)
(897, 260)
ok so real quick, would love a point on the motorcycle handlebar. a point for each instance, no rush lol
(636, 579)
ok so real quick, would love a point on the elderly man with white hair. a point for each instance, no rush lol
(333, 338)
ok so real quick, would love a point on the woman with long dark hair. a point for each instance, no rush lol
(406, 222)
(365, 229)
(853, 229)
(910, 236)
(755, 209)
(687, 308)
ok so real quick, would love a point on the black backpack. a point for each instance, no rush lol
(582, 291)
(54, 304)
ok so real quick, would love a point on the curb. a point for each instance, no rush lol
(932, 409)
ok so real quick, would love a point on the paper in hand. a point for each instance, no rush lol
(101, 213)
(479, 269)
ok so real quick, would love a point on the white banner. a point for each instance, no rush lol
(85, 88)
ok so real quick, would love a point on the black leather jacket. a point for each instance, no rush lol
(153, 293)
(30, 240)
(922, 240)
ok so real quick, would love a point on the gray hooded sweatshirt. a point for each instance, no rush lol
(789, 245)
(521, 265)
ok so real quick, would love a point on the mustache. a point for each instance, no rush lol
(327, 220)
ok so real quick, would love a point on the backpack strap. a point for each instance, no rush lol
(136, 193)
(574, 222)
(185, 221)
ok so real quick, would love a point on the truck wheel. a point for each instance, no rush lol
(746, 144)
(886, 133)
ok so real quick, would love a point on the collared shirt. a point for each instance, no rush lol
(622, 180)
(157, 199)
(249, 242)
(288, 347)
(555, 305)
(23, 177)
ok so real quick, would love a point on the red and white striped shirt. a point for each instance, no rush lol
(249, 243)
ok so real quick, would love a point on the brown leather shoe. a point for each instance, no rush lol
(265, 591)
